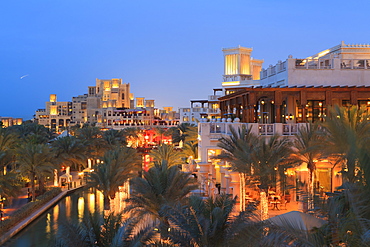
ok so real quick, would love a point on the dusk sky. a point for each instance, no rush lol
(169, 51)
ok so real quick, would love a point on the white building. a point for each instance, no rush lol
(341, 65)
(289, 94)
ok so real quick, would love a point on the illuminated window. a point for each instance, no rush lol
(212, 153)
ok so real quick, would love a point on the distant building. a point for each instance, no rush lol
(108, 104)
(10, 121)
(56, 115)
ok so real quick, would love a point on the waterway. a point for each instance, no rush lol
(72, 207)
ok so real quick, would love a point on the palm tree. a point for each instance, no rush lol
(32, 132)
(347, 130)
(92, 138)
(161, 185)
(117, 167)
(168, 153)
(348, 208)
(7, 145)
(238, 148)
(114, 138)
(270, 157)
(161, 132)
(308, 147)
(10, 185)
(260, 158)
(190, 149)
(108, 231)
(69, 151)
(211, 222)
(34, 161)
(184, 132)
(132, 136)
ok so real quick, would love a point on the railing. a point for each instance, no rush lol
(217, 128)
(213, 97)
(313, 64)
(273, 70)
(227, 78)
(213, 110)
(199, 109)
(266, 129)
(222, 128)
(290, 129)
(355, 64)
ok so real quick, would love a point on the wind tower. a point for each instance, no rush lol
(240, 69)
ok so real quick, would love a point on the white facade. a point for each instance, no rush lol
(240, 69)
(342, 65)
(214, 172)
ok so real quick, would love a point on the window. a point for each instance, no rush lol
(315, 110)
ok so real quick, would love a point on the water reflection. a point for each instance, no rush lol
(81, 207)
(72, 207)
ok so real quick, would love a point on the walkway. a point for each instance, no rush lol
(290, 206)
(23, 199)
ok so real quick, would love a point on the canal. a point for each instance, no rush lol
(72, 207)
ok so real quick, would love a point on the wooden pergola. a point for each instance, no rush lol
(298, 104)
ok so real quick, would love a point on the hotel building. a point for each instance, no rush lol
(108, 105)
(284, 97)
(56, 115)
(10, 121)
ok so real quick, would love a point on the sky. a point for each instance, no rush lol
(168, 50)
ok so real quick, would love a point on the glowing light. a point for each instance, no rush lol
(91, 202)
(80, 207)
(323, 53)
(53, 110)
(230, 83)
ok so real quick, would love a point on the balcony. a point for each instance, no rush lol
(290, 129)
(266, 129)
(273, 70)
(213, 97)
(314, 64)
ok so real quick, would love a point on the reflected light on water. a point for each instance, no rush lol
(91, 202)
(99, 200)
(55, 216)
(80, 206)
(68, 207)
(48, 228)
(71, 208)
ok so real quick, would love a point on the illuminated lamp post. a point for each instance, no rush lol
(146, 137)
(2, 216)
(2, 199)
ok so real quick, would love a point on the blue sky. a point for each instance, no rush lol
(169, 50)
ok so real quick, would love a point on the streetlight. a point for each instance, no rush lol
(2, 199)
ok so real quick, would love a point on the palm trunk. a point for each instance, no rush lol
(106, 202)
(264, 206)
(242, 191)
(42, 184)
(310, 186)
(33, 190)
(311, 189)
